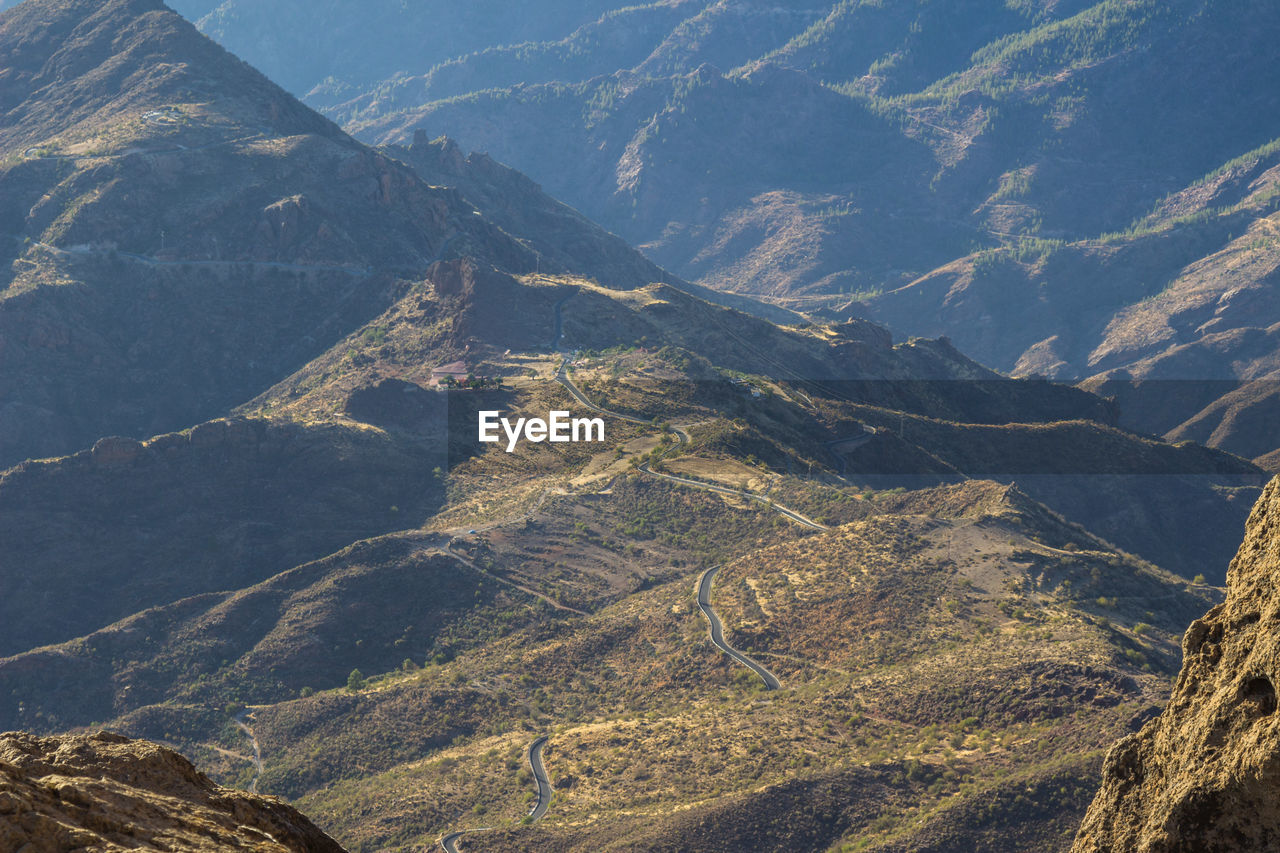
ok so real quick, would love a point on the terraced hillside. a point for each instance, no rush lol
(248, 513)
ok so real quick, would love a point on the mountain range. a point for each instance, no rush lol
(1080, 190)
(818, 588)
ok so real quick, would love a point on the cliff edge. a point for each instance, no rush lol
(106, 793)
(1204, 775)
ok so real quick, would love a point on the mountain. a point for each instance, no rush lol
(1200, 776)
(953, 590)
(108, 532)
(643, 155)
(364, 43)
(918, 165)
(603, 760)
(106, 792)
(181, 235)
(172, 200)
(995, 120)
(247, 512)
(1172, 317)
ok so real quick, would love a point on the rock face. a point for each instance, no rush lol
(1204, 775)
(108, 793)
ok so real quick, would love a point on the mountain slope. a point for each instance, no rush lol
(361, 43)
(182, 233)
(1174, 317)
(72, 67)
(643, 156)
(131, 525)
(1026, 112)
(562, 238)
(690, 745)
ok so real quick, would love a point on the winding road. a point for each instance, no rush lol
(853, 442)
(781, 510)
(541, 778)
(151, 260)
(448, 552)
(682, 438)
(37, 152)
(449, 843)
(703, 588)
(559, 328)
(287, 266)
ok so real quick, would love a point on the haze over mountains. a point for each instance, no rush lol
(850, 159)
(244, 515)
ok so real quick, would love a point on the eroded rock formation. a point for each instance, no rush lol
(107, 793)
(1204, 776)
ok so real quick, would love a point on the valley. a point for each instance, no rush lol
(825, 580)
(577, 597)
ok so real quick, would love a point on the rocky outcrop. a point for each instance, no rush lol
(1203, 776)
(114, 451)
(106, 792)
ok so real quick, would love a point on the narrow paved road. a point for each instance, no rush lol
(682, 438)
(33, 152)
(563, 378)
(449, 843)
(151, 260)
(771, 681)
(539, 776)
(781, 510)
(559, 327)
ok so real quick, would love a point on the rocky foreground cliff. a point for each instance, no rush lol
(1204, 775)
(107, 793)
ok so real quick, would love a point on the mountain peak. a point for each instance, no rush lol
(75, 69)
